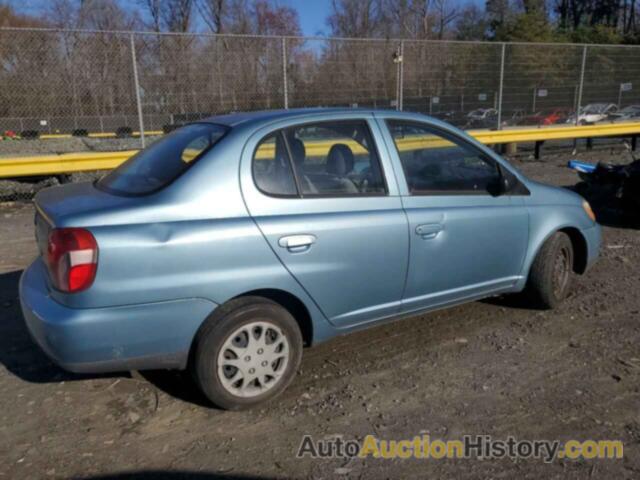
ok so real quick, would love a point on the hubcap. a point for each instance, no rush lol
(561, 272)
(253, 359)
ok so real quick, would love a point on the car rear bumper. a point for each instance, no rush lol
(92, 340)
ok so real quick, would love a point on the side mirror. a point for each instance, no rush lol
(511, 185)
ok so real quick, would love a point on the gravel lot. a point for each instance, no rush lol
(491, 367)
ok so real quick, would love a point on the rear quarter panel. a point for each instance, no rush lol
(193, 239)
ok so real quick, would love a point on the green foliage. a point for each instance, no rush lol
(527, 27)
(576, 21)
(601, 34)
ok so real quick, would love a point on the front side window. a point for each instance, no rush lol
(163, 161)
(436, 162)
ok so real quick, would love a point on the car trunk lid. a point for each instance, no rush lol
(69, 205)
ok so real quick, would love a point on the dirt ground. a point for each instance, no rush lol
(486, 368)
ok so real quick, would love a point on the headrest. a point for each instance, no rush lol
(340, 160)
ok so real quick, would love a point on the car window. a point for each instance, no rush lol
(436, 162)
(195, 148)
(335, 159)
(271, 167)
(163, 161)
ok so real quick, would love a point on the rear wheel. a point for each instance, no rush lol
(551, 274)
(247, 353)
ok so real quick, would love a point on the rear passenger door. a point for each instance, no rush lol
(327, 203)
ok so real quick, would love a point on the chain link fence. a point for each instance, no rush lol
(61, 82)
(95, 90)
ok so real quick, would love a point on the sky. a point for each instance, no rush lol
(312, 12)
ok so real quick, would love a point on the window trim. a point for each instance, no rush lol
(294, 172)
(447, 136)
(301, 194)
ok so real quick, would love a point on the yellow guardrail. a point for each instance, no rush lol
(541, 134)
(90, 161)
(150, 133)
(65, 163)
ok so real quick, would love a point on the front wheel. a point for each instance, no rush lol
(246, 353)
(551, 274)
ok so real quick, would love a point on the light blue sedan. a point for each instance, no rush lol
(231, 243)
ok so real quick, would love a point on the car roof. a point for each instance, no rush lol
(237, 118)
(267, 116)
(258, 119)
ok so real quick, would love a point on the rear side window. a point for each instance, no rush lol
(162, 162)
(335, 159)
(272, 169)
(327, 159)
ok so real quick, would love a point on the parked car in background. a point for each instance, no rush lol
(453, 117)
(511, 118)
(627, 114)
(592, 113)
(230, 243)
(547, 117)
(482, 118)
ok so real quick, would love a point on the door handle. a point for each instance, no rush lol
(297, 243)
(429, 230)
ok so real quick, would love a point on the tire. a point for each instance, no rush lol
(238, 334)
(551, 275)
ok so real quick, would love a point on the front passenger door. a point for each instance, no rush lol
(467, 238)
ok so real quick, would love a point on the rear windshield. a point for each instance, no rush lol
(163, 161)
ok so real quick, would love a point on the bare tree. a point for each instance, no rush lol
(213, 12)
(471, 24)
(170, 15)
(446, 15)
(92, 15)
(10, 18)
(356, 18)
(410, 18)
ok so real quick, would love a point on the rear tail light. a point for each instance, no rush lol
(72, 259)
